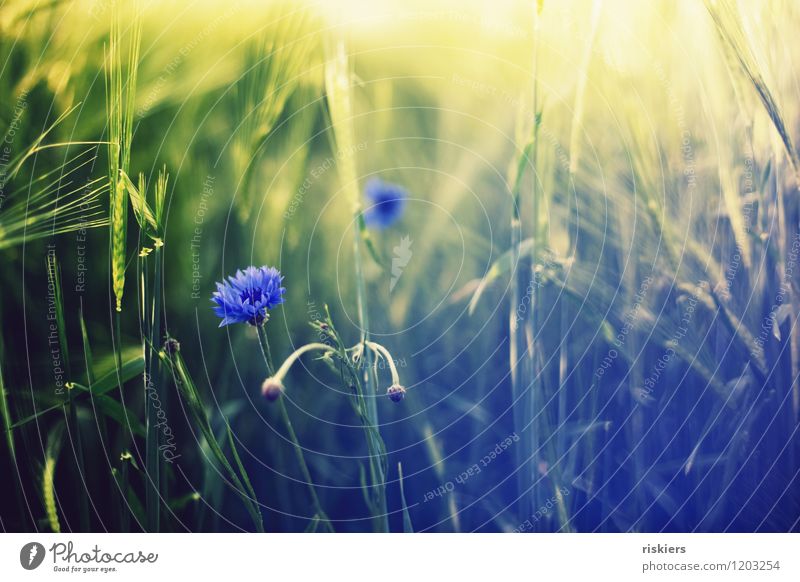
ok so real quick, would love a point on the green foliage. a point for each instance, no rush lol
(239, 480)
(648, 214)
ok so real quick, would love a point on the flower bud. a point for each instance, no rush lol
(172, 346)
(396, 392)
(271, 389)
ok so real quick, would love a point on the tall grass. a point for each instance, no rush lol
(319, 513)
(151, 224)
(74, 430)
(121, 68)
(338, 86)
(234, 473)
(623, 298)
(274, 66)
(53, 202)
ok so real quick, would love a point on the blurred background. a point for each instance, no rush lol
(591, 296)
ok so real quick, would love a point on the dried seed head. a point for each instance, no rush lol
(271, 389)
(172, 346)
(396, 392)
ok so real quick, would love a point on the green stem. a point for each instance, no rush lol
(388, 357)
(5, 413)
(54, 274)
(124, 513)
(152, 463)
(262, 338)
(88, 362)
(288, 362)
(298, 450)
(301, 460)
(373, 433)
(338, 80)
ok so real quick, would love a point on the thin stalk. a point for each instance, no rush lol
(262, 338)
(338, 79)
(520, 388)
(54, 274)
(563, 367)
(350, 374)
(152, 457)
(522, 454)
(238, 478)
(123, 513)
(389, 360)
(298, 450)
(363, 314)
(370, 402)
(574, 151)
(5, 412)
(88, 361)
(592, 403)
(120, 97)
(521, 323)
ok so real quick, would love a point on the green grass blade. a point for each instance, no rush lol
(407, 527)
(188, 390)
(130, 369)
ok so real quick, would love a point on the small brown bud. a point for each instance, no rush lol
(271, 389)
(172, 346)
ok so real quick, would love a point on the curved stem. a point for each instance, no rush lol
(284, 369)
(388, 357)
(298, 450)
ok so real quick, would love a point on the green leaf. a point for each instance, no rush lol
(118, 413)
(238, 461)
(188, 390)
(87, 348)
(134, 503)
(104, 384)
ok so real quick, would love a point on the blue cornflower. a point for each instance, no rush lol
(387, 203)
(246, 297)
